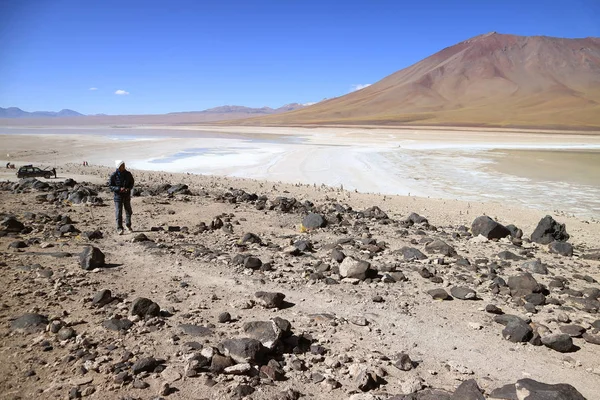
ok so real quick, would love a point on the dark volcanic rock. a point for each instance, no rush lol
(523, 284)
(463, 293)
(548, 231)
(560, 342)
(529, 389)
(403, 362)
(562, 248)
(270, 299)
(410, 253)
(102, 298)
(535, 266)
(147, 364)
(143, 307)
(252, 262)
(507, 255)
(11, 224)
(572, 330)
(267, 333)
(415, 218)
(242, 350)
(439, 294)
(593, 338)
(517, 331)
(337, 255)
(195, 330)
(29, 323)
(488, 228)
(468, 390)
(375, 212)
(440, 247)
(114, 324)
(90, 258)
(492, 309)
(514, 231)
(313, 221)
(250, 238)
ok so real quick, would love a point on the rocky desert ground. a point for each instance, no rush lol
(232, 288)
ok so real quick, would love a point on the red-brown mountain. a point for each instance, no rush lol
(489, 80)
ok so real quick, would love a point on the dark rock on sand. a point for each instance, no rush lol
(560, 342)
(143, 307)
(488, 228)
(439, 294)
(91, 257)
(29, 323)
(270, 299)
(242, 350)
(548, 231)
(463, 293)
(440, 247)
(562, 248)
(313, 221)
(468, 390)
(517, 331)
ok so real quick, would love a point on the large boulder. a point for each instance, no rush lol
(548, 231)
(352, 268)
(91, 257)
(488, 228)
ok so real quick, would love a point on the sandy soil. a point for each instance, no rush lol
(440, 336)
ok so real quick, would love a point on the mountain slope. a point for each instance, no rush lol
(489, 80)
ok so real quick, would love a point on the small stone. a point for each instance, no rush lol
(439, 294)
(403, 363)
(224, 317)
(270, 299)
(492, 309)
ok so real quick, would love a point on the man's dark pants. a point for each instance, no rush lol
(120, 203)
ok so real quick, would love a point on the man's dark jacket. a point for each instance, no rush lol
(120, 180)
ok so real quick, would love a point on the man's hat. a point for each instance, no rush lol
(118, 163)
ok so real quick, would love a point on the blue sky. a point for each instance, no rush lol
(192, 55)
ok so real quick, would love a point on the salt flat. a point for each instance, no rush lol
(486, 165)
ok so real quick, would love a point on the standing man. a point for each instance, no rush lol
(121, 183)
(54, 172)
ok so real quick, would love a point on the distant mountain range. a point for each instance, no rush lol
(245, 110)
(18, 116)
(489, 80)
(15, 112)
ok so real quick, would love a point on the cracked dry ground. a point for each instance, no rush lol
(369, 336)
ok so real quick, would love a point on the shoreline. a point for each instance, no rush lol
(422, 163)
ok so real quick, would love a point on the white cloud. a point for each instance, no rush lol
(93, 88)
(121, 92)
(309, 104)
(358, 86)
